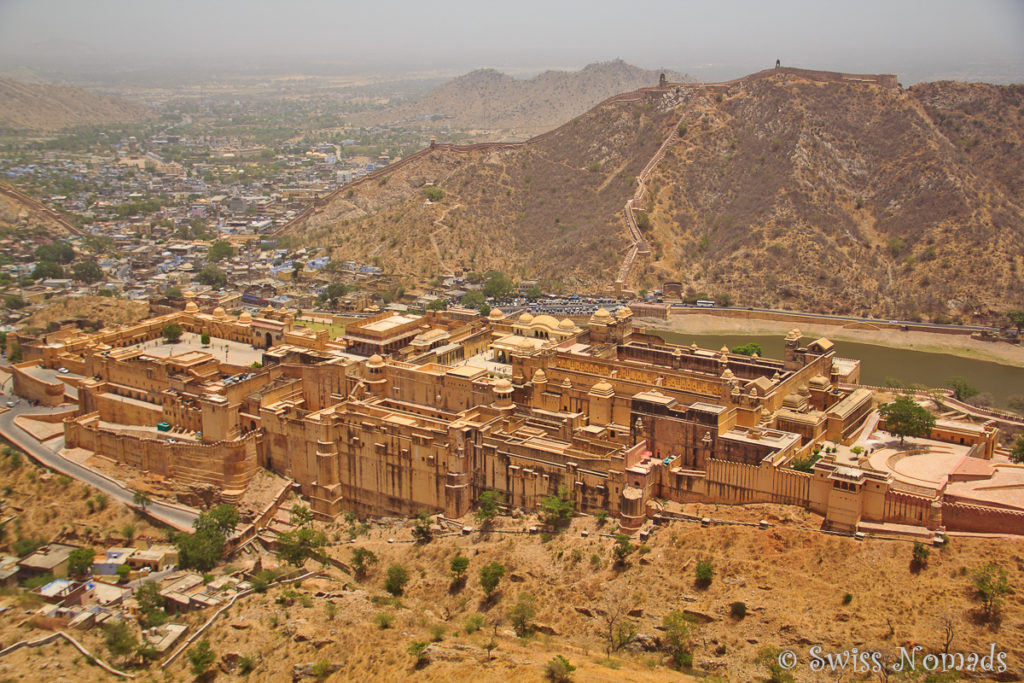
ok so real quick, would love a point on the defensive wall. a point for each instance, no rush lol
(32, 388)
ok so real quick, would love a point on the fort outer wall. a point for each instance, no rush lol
(32, 388)
(227, 465)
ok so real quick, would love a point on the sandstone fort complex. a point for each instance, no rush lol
(410, 413)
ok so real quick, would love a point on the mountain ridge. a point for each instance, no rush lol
(782, 183)
(45, 107)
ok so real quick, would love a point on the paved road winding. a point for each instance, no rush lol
(174, 516)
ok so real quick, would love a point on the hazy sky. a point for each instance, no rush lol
(918, 39)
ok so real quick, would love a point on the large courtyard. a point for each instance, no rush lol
(223, 350)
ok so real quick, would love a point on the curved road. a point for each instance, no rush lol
(174, 516)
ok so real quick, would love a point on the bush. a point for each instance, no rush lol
(738, 609)
(847, 598)
(920, 555)
(559, 669)
(474, 622)
(397, 577)
(384, 620)
(490, 576)
(434, 194)
(201, 657)
(705, 572)
(522, 613)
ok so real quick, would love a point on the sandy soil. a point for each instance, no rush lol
(957, 345)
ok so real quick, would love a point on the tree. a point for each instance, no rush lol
(748, 349)
(622, 549)
(992, 586)
(87, 272)
(962, 389)
(474, 299)
(58, 252)
(204, 339)
(212, 276)
(202, 549)
(434, 194)
(173, 292)
(485, 310)
(705, 572)
(534, 292)
(333, 292)
(80, 560)
(919, 556)
(220, 250)
(15, 355)
(437, 305)
(497, 285)
(122, 571)
(361, 561)
(396, 579)
(301, 515)
(643, 221)
(172, 332)
(904, 417)
(558, 669)
(677, 638)
(421, 529)
(556, 511)
(119, 639)
(522, 613)
(151, 603)
(1017, 453)
(141, 498)
(14, 302)
(418, 650)
(1016, 317)
(490, 576)
(487, 506)
(617, 630)
(298, 545)
(47, 269)
(458, 567)
(201, 657)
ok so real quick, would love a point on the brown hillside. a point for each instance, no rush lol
(795, 189)
(489, 99)
(551, 208)
(28, 106)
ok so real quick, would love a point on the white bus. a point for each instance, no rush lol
(705, 303)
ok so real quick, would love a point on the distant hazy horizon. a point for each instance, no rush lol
(939, 39)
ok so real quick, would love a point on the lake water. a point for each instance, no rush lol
(879, 363)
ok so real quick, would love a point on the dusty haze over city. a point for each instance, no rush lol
(920, 41)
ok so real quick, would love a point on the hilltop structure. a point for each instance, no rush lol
(424, 413)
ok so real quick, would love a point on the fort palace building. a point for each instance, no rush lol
(409, 413)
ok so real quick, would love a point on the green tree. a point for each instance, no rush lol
(904, 417)
(643, 221)
(333, 292)
(558, 669)
(421, 530)
(434, 194)
(172, 332)
(47, 269)
(173, 292)
(490, 577)
(119, 639)
(204, 339)
(705, 572)
(534, 292)
(14, 302)
(212, 276)
(622, 549)
(220, 250)
(58, 252)
(418, 650)
(919, 555)
(201, 657)
(962, 389)
(497, 285)
(87, 272)
(301, 515)
(458, 567)
(556, 510)
(1017, 453)
(487, 506)
(151, 603)
(473, 299)
(485, 310)
(676, 641)
(298, 545)
(141, 498)
(992, 585)
(437, 305)
(362, 558)
(748, 349)
(80, 560)
(1016, 317)
(122, 571)
(15, 355)
(521, 614)
(202, 549)
(396, 578)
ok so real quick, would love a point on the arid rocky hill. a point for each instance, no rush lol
(786, 188)
(30, 106)
(491, 100)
